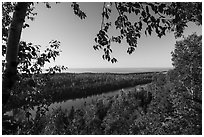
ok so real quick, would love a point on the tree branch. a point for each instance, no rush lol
(117, 9)
(102, 22)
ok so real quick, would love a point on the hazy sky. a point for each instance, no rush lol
(77, 38)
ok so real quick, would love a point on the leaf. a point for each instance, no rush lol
(119, 41)
(149, 30)
(113, 60)
(122, 31)
(130, 50)
(140, 25)
(163, 20)
(147, 9)
(129, 10)
(95, 47)
(143, 14)
(103, 57)
(138, 35)
(96, 40)
(137, 11)
(25, 25)
(153, 19)
(108, 58)
(161, 8)
(47, 5)
(106, 15)
(136, 5)
(111, 50)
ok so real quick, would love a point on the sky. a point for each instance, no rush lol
(77, 38)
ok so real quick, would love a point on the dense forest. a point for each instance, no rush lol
(172, 110)
(64, 86)
(170, 103)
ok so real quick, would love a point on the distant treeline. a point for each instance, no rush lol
(64, 86)
(71, 86)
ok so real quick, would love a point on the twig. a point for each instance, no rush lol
(102, 22)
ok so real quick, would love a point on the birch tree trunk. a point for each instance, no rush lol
(10, 73)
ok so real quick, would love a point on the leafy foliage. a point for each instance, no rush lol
(31, 60)
(151, 17)
(78, 11)
(187, 59)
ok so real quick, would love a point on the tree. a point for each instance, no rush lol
(158, 17)
(10, 73)
(20, 54)
(187, 60)
(185, 84)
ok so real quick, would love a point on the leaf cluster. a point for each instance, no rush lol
(151, 17)
(32, 59)
(78, 11)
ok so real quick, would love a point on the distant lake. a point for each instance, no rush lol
(115, 70)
